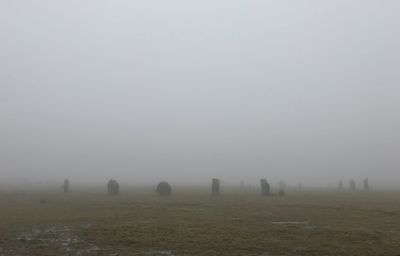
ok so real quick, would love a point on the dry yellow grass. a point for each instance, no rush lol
(191, 222)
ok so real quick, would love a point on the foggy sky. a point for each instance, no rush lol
(181, 90)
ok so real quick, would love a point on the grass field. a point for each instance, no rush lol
(191, 222)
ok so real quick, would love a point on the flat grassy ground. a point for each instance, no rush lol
(191, 222)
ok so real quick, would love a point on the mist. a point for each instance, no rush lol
(144, 91)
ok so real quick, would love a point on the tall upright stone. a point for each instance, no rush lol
(113, 187)
(215, 187)
(66, 186)
(265, 188)
(366, 185)
(164, 189)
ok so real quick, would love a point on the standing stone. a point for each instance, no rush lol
(113, 187)
(265, 188)
(66, 186)
(366, 185)
(352, 185)
(164, 189)
(215, 187)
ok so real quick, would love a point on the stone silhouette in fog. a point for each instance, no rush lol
(113, 187)
(340, 185)
(352, 185)
(265, 188)
(366, 185)
(66, 186)
(164, 189)
(215, 187)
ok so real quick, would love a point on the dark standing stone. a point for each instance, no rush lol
(366, 185)
(164, 189)
(352, 185)
(215, 187)
(66, 186)
(265, 188)
(113, 187)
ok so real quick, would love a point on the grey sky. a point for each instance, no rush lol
(307, 91)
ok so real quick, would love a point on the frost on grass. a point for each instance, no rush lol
(58, 238)
(156, 253)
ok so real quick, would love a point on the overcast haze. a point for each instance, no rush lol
(306, 91)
